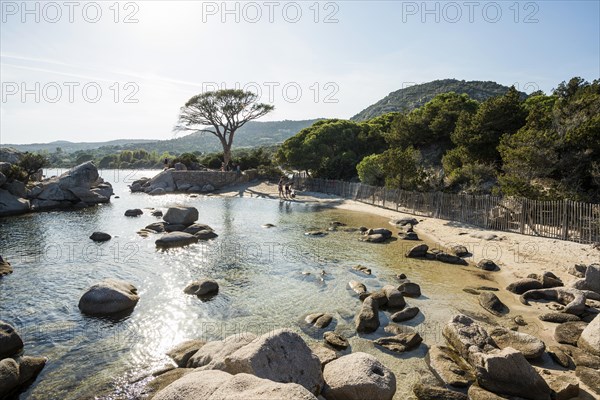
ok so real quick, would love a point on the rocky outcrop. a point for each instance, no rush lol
(590, 337)
(281, 356)
(214, 385)
(80, 186)
(182, 353)
(358, 376)
(110, 296)
(212, 355)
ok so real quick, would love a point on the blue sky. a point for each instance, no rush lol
(76, 74)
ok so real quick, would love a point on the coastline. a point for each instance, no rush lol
(517, 255)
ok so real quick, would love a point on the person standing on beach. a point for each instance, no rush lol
(280, 187)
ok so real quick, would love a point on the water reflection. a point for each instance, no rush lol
(269, 278)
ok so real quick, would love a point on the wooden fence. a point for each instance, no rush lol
(561, 219)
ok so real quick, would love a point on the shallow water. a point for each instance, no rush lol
(260, 272)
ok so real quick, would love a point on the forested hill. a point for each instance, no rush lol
(254, 133)
(415, 96)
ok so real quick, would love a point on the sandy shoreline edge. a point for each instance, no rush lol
(517, 255)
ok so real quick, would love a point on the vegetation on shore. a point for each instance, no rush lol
(540, 147)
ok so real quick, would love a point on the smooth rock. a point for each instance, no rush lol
(108, 297)
(367, 320)
(202, 287)
(182, 353)
(219, 385)
(136, 212)
(530, 346)
(176, 239)
(281, 356)
(30, 367)
(358, 376)
(405, 315)
(9, 376)
(205, 234)
(459, 250)
(212, 355)
(590, 337)
(395, 299)
(417, 251)
(410, 289)
(490, 302)
(157, 227)
(357, 287)
(487, 265)
(100, 237)
(181, 215)
(319, 320)
(195, 228)
(336, 340)
(523, 285)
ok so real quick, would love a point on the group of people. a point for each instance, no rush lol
(285, 188)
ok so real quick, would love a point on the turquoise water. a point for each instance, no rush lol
(261, 272)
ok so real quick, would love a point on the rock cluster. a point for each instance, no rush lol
(79, 187)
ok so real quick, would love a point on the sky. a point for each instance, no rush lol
(104, 70)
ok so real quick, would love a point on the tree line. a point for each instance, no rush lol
(539, 146)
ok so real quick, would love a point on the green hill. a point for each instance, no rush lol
(415, 96)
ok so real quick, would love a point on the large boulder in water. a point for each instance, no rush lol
(281, 356)
(367, 320)
(358, 376)
(181, 215)
(11, 204)
(108, 297)
(10, 341)
(221, 385)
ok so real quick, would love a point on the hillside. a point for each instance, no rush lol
(254, 133)
(415, 96)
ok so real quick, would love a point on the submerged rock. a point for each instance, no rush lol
(335, 340)
(319, 320)
(176, 239)
(358, 376)
(100, 237)
(108, 297)
(203, 287)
